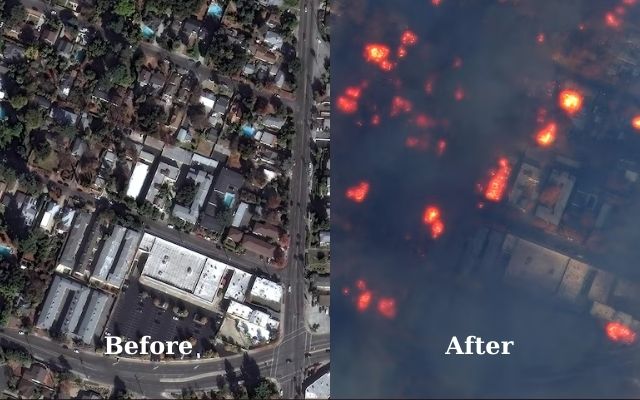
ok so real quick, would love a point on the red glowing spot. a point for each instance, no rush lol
(413, 142)
(428, 86)
(620, 10)
(375, 120)
(387, 307)
(386, 65)
(353, 91)
(423, 121)
(408, 38)
(402, 52)
(480, 205)
(442, 146)
(346, 291)
(400, 105)
(629, 2)
(376, 53)
(570, 101)
(540, 38)
(361, 285)
(611, 20)
(498, 182)
(437, 228)
(459, 94)
(364, 300)
(436, 3)
(618, 332)
(581, 27)
(431, 215)
(547, 135)
(347, 105)
(359, 192)
(457, 62)
(635, 122)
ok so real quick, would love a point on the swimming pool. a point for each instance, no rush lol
(215, 9)
(3, 113)
(248, 131)
(5, 251)
(146, 31)
(228, 200)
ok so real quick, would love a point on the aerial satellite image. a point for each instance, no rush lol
(487, 171)
(164, 190)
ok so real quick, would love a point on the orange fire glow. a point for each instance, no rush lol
(414, 142)
(611, 20)
(361, 284)
(436, 3)
(359, 192)
(408, 38)
(346, 291)
(635, 122)
(376, 53)
(402, 52)
(618, 332)
(570, 101)
(364, 300)
(459, 94)
(375, 120)
(431, 214)
(498, 182)
(442, 146)
(540, 38)
(353, 92)
(347, 105)
(400, 105)
(387, 307)
(437, 228)
(547, 135)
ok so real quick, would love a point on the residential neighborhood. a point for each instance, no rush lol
(161, 175)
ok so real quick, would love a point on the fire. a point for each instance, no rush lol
(353, 91)
(428, 85)
(361, 285)
(346, 291)
(570, 101)
(442, 146)
(635, 122)
(408, 38)
(437, 228)
(400, 105)
(414, 142)
(611, 20)
(387, 307)
(436, 3)
(431, 215)
(618, 332)
(364, 300)
(540, 38)
(359, 192)
(375, 120)
(459, 94)
(422, 121)
(457, 62)
(498, 182)
(376, 53)
(547, 135)
(402, 52)
(347, 105)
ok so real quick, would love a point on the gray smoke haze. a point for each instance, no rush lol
(507, 77)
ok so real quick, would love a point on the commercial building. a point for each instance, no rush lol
(71, 252)
(74, 310)
(267, 293)
(320, 388)
(139, 175)
(116, 256)
(258, 327)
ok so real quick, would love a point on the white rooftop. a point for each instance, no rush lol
(238, 284)
(209, 281)
(254, 323)
(173, 264)
(320, 389)
(266, 290)
(137, 179)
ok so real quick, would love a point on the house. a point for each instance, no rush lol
(64, 48)
(63, 117)
(48, 218)
(325, 238)
(144, 77)
(165, 174)
(234, 236)
(274, 122)
(273, 20)
(265, 56)
(207, 99)
(184, 136)
(222, 197)
(66, 83)
(221, 106)
(49, 36)
(190, 213)
(157, 81)
(259, 247)
(242, 216)
(267, 231)
(190, 30)
(273, 40)
(40, 375)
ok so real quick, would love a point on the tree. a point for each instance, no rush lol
(266, 389)
(33, 119)
(120, 75)
(97, 48)
(19, 101)
(9, 132)
(125, 8)
(17, 15)
(187, 192)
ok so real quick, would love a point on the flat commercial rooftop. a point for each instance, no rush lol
(266, 290)
(209, 281)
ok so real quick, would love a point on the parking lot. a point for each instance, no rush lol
(135, 315)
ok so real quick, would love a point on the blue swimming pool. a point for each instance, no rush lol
(248, 131)
(3, 113)
(146, 31)
(5, 251)
(228, 200)
(215, 9)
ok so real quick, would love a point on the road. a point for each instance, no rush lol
(157, 379)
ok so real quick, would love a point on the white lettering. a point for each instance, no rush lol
(185, 348)
(481, 347)
(456, 346)
(113, 345)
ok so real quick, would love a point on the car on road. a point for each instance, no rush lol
(306, 9)
(288, 361)
(76, 351)
(289, 289)
(22, 333)
(176, 318)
